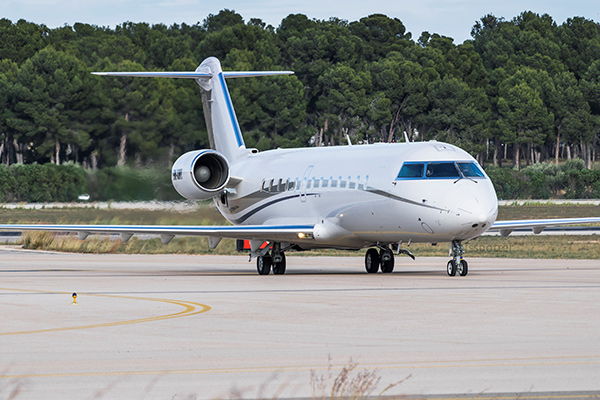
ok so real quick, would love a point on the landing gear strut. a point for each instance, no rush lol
(457, 263)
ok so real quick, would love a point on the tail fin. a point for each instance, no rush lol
(224, 131)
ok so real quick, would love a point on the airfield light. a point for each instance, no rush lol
(74, 299)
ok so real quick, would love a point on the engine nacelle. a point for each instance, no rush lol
(200, 174)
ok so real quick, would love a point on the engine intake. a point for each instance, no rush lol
(200, 174)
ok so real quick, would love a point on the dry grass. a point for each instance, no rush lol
(350, 383)
(102, 244)
(557, 247)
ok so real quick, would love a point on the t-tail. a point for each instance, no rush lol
(224, 131)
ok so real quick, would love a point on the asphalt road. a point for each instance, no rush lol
(201, 327)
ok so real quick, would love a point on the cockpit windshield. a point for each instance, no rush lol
(439, 170)
(470, 170)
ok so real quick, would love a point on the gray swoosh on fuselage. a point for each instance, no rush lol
(369, 189)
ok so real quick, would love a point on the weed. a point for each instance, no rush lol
(350, 383)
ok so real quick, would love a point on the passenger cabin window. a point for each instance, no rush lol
(351, 184)
(470, 170)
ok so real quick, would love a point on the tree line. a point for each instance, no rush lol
(523, 90)
(33, 183)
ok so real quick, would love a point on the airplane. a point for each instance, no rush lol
(381, 196)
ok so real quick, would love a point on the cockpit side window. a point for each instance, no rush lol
(470, 170)
(441, 170)
(411, 170)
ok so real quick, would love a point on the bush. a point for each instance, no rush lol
(35, 183)
(506, 182)
(545, 180)
(44, 183)
(128, 184)
(7, 184)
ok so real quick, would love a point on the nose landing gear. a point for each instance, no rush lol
(457, 263)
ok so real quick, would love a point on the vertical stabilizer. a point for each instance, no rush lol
(223, 128)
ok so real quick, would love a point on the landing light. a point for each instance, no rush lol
(302, 235)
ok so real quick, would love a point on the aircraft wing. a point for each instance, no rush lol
(287, 233)
(538, 225)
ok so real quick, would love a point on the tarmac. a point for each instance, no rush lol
(209, 327)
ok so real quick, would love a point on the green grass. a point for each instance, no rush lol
(205, 214)
(531, 246)
(563, 246)
(544, 210)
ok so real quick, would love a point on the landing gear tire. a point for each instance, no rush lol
(372, 261)
(457, 263)
(279, 267)
(388, 265)
(462, 268)
(451, 268)
(263, 265)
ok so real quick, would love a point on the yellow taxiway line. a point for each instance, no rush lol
(486, 363)
(190, 308)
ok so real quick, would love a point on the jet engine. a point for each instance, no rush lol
(200, 174)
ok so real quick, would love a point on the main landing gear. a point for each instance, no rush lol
(275, 259)
(384, 259)
(457, 263)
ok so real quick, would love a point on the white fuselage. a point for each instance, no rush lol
(353, 196)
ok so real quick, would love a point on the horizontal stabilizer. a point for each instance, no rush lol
(159, 74)
(252, 74)
(192, 74)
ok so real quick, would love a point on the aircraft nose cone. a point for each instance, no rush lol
(482, 218)
(476, 214)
